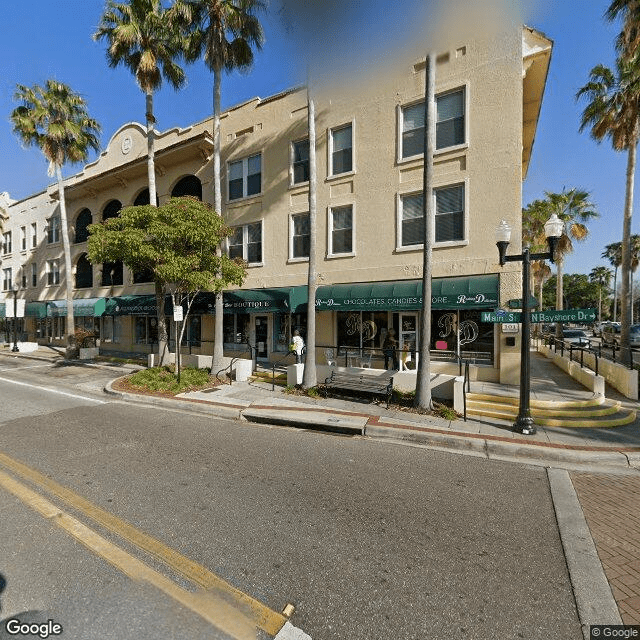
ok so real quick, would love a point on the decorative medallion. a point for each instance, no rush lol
(126, 145)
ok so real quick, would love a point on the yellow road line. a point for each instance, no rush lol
(259, 614)
(213, 609)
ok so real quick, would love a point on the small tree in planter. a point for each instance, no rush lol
(177, 243)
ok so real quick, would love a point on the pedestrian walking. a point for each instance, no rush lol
(298, 345)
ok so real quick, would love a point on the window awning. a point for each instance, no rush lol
(277, 299)
(31, 309)
(466, 292)
(131, 305)
(92, 307)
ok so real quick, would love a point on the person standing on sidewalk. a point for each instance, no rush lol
(298, 346)
(390, 349)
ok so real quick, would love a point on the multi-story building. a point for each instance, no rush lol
(369, 213)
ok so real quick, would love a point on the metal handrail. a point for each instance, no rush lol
(273, 368)
(232, 361)
(466, 387)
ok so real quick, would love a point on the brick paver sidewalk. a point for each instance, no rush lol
(611, 505)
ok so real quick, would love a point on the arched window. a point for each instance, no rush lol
(111, 210)
(84, 273)
(143, 198)
(188, 186)
(83, 220)
(112, 274)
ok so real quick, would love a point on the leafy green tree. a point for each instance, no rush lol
(224, 33)
(176, 242)
(55, 119)
(578, 292)
(602, 277)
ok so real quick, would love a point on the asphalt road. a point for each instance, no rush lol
(367, 539)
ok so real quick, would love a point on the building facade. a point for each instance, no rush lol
(369, 215)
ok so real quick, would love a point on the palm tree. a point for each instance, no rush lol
(224, 32)
(602, 276)
(613, 111)
(613, 253)
(55, 119)
(574, 208)
(144, 37)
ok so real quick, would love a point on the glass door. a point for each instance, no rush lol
(408, 340)
(261, 324)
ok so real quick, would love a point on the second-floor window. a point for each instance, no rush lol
(245, 177)
(341, 230)
(34, 235)
(53, 231)
(23, 238)
(341, 150)
(300, 161)
(34, 274)
(299, 236)
(246, 242)
(6, 279)
(53, 272)
(6, 242)
(450, 127)
(449, 217)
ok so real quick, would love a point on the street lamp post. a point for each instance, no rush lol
(15, 317)
(553, 230)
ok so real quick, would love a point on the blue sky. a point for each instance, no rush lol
(53, 39)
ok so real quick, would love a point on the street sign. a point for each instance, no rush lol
(554, 315)
(178, 313)
(566, 315)
(500, 316)
(20, 302)
(516, 303)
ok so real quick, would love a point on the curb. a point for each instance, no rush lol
(492, 448)
(594, 600)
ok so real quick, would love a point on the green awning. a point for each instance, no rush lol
(35, 309)
(131, 305)
(466, 292)
(92, 307)
(3, 313)
(256, 301)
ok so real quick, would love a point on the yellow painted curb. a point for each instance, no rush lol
(543, 404)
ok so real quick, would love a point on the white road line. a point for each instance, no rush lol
(35, 366)
(61, 393)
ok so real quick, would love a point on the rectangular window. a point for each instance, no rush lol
(34, 274)
(300, 161)
(245, 177)
(341, 141)
(341, 230)
(6, 242)
(34, 235)
(236, 328)
(449, 124)
(450, 213)
(412, 220)
(53, 273)
(300, 235)
(246, 242)
(23, 238)
(6, 279)
(53, 231)
(449, 216)
(23, 277)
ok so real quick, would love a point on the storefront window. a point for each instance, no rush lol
(476, 338)
(362, 328)
(235, 327)
(145, 330)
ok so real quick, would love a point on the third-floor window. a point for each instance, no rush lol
(6, 242)
(245, 177)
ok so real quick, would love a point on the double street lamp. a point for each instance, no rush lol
(553, 231)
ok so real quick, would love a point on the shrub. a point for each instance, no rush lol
(164, 379)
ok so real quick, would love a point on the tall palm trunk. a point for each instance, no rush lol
(310, 376)
(423, 382)
(218, 336)
(625, 311)
(163, 338)
(559, 292)
(70, 330)
(615, 294)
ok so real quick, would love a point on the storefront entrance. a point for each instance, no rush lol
(261, 327)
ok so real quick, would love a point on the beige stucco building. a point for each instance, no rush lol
(369, 205)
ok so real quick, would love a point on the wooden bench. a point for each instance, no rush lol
(382, 386)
